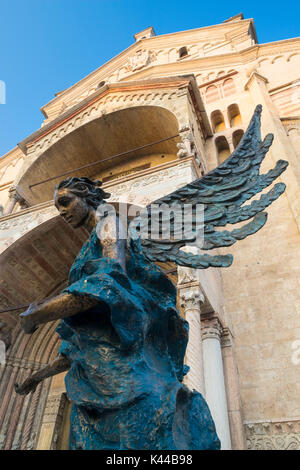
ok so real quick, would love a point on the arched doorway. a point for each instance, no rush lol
(36, 266)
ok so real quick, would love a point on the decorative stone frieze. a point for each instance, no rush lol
(272, 435)
(144, 189)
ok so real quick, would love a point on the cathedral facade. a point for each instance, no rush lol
(159, 115)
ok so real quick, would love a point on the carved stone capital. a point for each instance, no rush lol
(190, 298)
(211, 327)
(13, 197)
(13, 194)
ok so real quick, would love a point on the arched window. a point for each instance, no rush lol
(234, 115)
(211, 93)
(228, 87)
(217, 121)
(182, 52)
(236, 137)
(222, 147)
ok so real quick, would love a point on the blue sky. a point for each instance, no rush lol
(47, 45)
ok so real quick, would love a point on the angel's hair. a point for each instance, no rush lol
(85, 188)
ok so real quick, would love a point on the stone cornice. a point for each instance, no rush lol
(284, 87)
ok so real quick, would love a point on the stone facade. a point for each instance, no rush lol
(190, 95)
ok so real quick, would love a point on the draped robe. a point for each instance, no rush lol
(127, 359)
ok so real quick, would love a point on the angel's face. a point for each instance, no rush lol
(72, 208)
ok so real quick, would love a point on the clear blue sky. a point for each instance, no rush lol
(47, 45)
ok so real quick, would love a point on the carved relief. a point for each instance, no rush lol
(139, 60)
(187, 145)
(144, 189)
(273, 435)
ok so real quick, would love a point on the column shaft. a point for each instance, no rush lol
(214, 381)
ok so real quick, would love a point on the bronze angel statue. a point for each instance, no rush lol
(123, 340)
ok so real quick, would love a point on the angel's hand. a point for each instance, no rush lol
(29, 385)
(27, 323)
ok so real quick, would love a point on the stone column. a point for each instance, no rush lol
(234, 403)
(214, 377)
(190, 298)
(230, 142)
(14, 198)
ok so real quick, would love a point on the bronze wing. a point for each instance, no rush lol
(223, 193)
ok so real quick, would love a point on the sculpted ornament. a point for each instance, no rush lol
(141, 59)
(123, 340)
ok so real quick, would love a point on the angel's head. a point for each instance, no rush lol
(76, 198)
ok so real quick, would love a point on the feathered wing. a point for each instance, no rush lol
(222, 192)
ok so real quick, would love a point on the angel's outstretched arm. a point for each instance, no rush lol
(62, 306)
(60, 364)
(113, 240)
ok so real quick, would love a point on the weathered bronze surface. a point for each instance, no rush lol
(123, 339)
